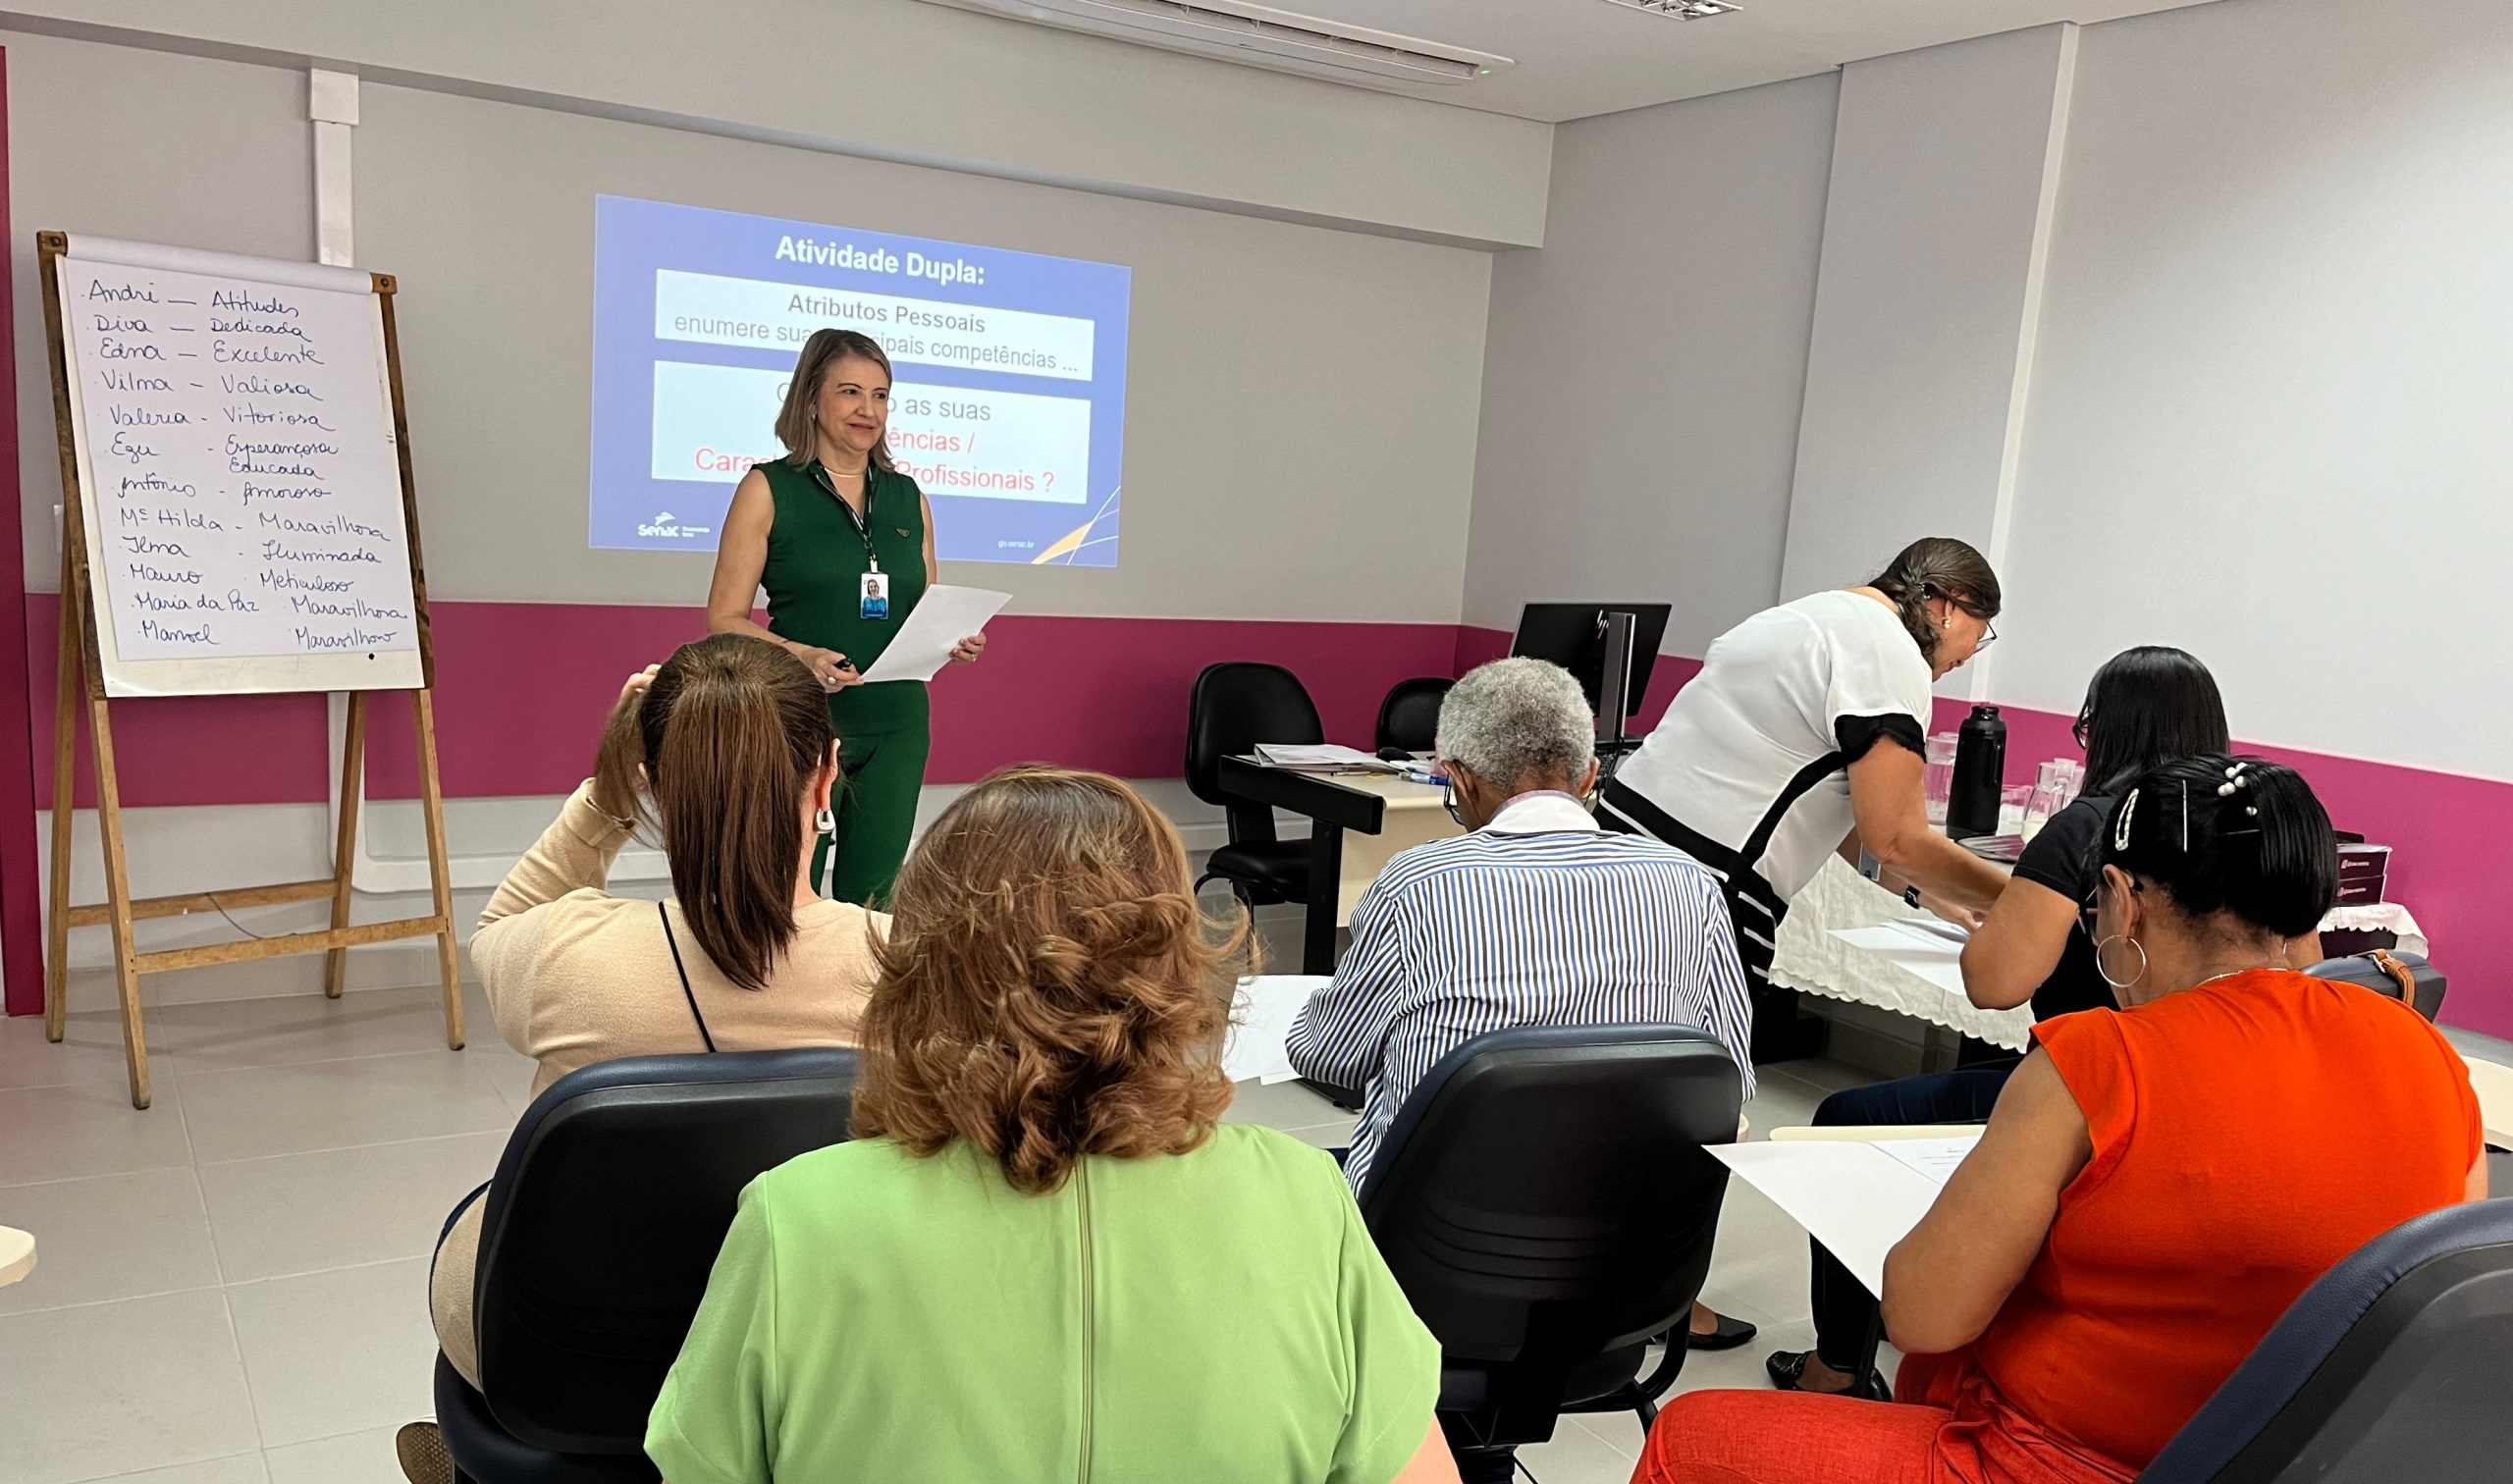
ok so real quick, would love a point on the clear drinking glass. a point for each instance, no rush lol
(2013, 800)
(2050, 796)
(1938, 779)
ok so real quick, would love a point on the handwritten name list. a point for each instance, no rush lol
(246, 495)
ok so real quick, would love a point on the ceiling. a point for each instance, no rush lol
(1582, 57)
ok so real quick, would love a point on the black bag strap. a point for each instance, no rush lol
(663, 910)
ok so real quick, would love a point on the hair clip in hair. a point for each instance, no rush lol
(2120, 827)
(2234, 780)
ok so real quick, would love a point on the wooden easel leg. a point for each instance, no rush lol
(135, 1045)
(440, 874)
(65, 779)
(344, 845)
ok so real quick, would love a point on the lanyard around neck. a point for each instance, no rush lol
(862, 523)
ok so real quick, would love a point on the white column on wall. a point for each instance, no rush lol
(1946, 168)
(331, 107)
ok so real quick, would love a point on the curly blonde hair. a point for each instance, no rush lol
(1048, 989)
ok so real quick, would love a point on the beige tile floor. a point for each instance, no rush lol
(231, 1287)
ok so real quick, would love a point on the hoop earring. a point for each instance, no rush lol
(827, 823)
(2105, 970)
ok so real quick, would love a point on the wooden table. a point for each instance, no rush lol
(1386, 813)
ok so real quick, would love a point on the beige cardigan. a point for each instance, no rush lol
(576, 976)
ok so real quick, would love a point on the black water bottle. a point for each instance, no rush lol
(1980, 773)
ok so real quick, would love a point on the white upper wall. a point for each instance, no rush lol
(2265, 408)
(2273, 413)
(1643, 371)
(1300, 404)
(1931, 241)
(900, 80)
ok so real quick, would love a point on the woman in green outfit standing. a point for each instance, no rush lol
(843, 543)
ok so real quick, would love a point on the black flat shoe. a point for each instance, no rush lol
(1787, 1371)
(1730, 1334)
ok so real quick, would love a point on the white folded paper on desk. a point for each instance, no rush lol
(1321, 757)
(1857, 1199)
(1934, 958)
(1263, 1019)
(940, 619)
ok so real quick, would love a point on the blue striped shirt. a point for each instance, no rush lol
(1538, 918)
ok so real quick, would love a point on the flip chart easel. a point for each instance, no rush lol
(105, 653)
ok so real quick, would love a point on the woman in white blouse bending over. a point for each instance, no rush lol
(728, 744)
(1807, 729)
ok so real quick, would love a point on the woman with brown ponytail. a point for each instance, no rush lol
(725, 747)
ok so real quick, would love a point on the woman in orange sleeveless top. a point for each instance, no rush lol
(2156, 1186)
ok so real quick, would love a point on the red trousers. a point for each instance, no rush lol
(1957, 1431)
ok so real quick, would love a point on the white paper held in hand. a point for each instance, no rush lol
(941, 618)
(1263, 1019)
(1856, 1198)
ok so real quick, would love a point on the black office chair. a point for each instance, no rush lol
(2390, 1367)
(1410, 716)
(2404, 977)
(604, 1219)
(1234, 706)
(1545, 1200)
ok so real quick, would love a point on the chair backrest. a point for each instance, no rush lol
(1233, 707)
(1410, 716)
(2389, 1367)
(605, 1218)
(1543, 1196)
(2423, 993)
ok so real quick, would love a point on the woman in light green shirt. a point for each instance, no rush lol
(1041, 1258)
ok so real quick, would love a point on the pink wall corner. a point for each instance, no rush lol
(2449, 864)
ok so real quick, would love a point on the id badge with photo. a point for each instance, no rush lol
(877, 596)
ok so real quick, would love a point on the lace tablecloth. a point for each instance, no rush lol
(2377, 916)
(1809, 958)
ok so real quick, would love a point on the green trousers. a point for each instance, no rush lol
(881, 775)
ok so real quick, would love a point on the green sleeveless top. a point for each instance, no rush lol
(815, 575)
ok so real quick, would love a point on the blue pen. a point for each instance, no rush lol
(1419, 776)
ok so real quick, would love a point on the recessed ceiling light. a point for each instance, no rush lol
(1681, 10)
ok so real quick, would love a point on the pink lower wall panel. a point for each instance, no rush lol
(522, 689)
(2450, 862)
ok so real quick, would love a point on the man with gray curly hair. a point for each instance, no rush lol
(1516, 726)
(1536, 917)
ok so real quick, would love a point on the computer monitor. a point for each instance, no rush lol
(1572, 635)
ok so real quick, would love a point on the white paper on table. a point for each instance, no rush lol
(1935, 1158)
(1854, 1198)
(1934, 959)
(1316, 757)
(1263, 1019)
(1931, 930)
(940, 619)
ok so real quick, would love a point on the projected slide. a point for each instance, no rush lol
(1009, 408)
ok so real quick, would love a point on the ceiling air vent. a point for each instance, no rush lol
(1257, 35)
(1681, 10)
